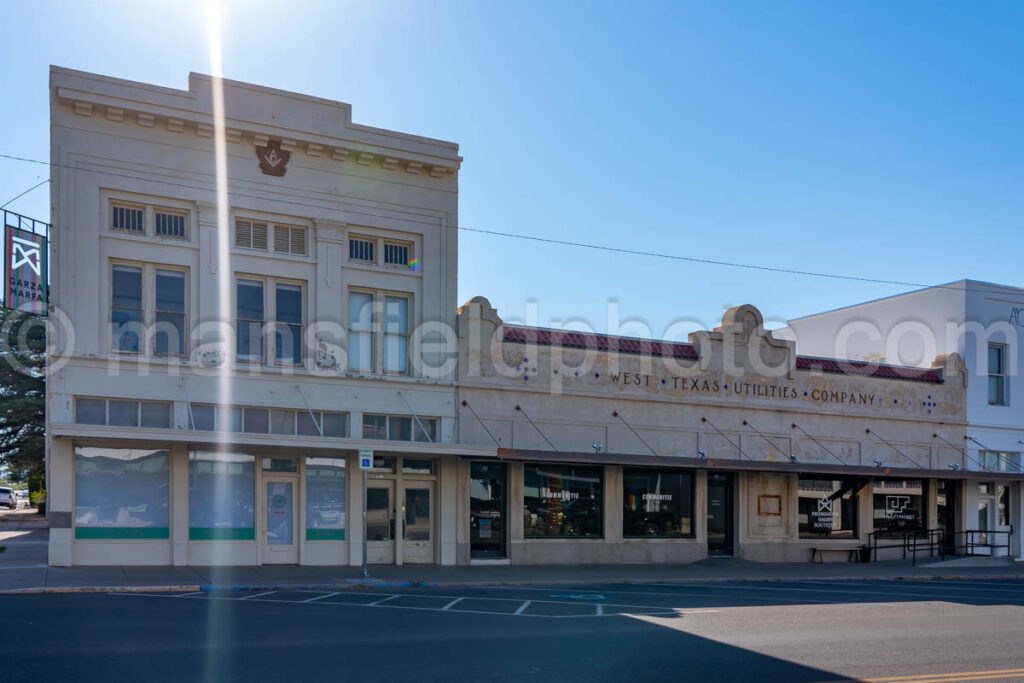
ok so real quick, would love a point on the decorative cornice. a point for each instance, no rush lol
(202, 125)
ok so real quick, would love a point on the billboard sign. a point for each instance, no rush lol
(26, 268)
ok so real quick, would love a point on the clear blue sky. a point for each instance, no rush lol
(876, 139)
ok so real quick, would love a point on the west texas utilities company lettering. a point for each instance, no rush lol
(744, 389)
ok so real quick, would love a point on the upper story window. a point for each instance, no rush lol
(379, 251)
(122, 413)
(143, 219)
(378, 332)
(396, 253)
(259, 300)
(258, 420)
(259, 235)
(290, 239)
(148, 310)
(400, 428)
(170, 223)
(250, 235)
(997, 374)
(362, 249)
(1000, 461)
(128, 217)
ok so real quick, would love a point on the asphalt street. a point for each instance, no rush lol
(881, 631)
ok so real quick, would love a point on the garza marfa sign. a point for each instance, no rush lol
(25, 264)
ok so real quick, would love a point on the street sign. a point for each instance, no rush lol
(366, 458)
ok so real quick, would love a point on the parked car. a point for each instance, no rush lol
(23, 499)
(8, 498)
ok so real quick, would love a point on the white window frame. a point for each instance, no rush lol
(147, 342)
(272, 226)
(1003, 399)
(379, 243)
(269, 322)
(149, 208)
(378, 330)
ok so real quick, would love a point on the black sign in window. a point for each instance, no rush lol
(562, 501)
(657, 503)
(899, 505)
(827, 508)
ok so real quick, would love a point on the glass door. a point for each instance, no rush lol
(719, 514)
(487, 510)
(417, 523)
(380, 522)
(279, 546)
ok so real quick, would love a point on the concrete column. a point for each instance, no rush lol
(700, 508)
(326, 291)
(354, 532)
(449, 510)
(613, 504)
(60, 502)
(515, 510)
(179, 505)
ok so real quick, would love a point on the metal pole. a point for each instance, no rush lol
(365, 572)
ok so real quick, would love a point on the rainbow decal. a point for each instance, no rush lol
(414, 264)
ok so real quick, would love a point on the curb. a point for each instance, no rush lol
(59, 590)
(365, 584)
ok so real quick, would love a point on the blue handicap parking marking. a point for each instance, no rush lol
(578, 596)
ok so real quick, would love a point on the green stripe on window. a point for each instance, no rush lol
(129, 532)
(325, 534)
(202, 533)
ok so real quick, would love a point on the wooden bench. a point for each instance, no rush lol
(852, 554)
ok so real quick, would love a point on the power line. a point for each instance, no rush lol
(519, 236)
(19, 196)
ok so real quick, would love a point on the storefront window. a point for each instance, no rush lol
(562, 501)
(121, 493)
(899, 505)
(827, 508)
(325, 499)
(657, 503)
(221, 496)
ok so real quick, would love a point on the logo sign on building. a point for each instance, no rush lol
(25, 264)
(822, 518)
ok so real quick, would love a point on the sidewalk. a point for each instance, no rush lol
(23, 569)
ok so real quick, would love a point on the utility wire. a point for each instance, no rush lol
(19, 196)
(512, 235)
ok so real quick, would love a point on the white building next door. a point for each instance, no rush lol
(418, 522)
(279, 535)
(380, 522)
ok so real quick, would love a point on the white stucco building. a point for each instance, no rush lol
(229, 345)
(249, 288)
(983, 323)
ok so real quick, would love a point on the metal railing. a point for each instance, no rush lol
(909, 543)
(971, 541)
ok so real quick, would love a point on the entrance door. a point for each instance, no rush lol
(417, 523)
(380, 522)
(720, 519)
(487, 510)
(279, 545)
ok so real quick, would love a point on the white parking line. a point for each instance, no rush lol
(257, 595)
(599, 611)
(380, 602)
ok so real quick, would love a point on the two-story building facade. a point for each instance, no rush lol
(246, 283)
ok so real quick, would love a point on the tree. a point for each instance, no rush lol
(22, 395)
